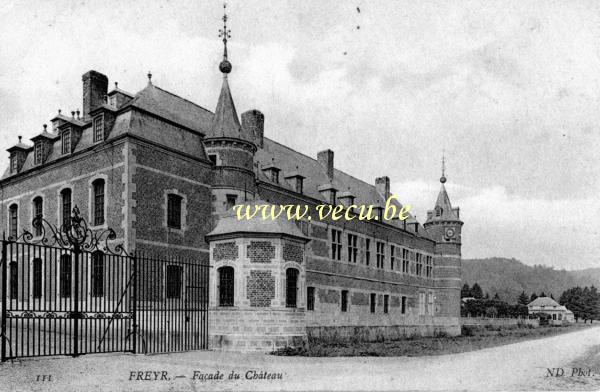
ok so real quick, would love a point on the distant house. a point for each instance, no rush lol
(547, 305)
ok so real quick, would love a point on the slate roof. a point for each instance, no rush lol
(173, 108)
(291, 161)
(443, 203)
(180, 111)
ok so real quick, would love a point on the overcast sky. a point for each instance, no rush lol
(509, 89)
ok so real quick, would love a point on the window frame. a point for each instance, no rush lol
(373, 303)
(97, 280)
(229, 197)
(37, 208)
(352, 247)
(13, 220)
(310, 298)
(176, 293)
(403, 304)
(380, 255)
(229, 295)
(336, 244)
(291, 293)
(65, 214)
(13, 273)
(38, 152)
(94, 198)
(98, 132)
(65, 141)
(63, 274)
(344, 301)
(386, 303)
(367, 251)
(37, 282)
(174, 211)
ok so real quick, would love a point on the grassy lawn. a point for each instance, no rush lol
(473, 338)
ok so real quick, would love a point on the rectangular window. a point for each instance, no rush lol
(98, 188)
(174, 281)
(352, 248)
(386, 303)
(14, 280)
(231, 200)
(97, 274)
(65, 276)
(419, 264)
(367, 251)
(405, 261)
(174, 211)
(336, 244)
(13, 220)
(213, 159)
(38, 208)
(373, 302)
(66, 141)
(429, 266)
(380, 254)
(344, 300)
(66, 207)
(38, 153)
(392, 256)
(37, 278)
(403, 305)
(310, 298)
(98, 128)
(299, 184)
(275, 176)
(332, 197)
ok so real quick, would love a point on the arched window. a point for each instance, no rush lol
(13, 220)
(65, 201)
(65, 276)
(98, 202)
(226, 286)
(38, 210)
(37, 277)
(97, 278)
(14, 280)
(291, 287)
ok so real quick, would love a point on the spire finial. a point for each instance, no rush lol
(443, 178)
(149, 77)
(225, 66)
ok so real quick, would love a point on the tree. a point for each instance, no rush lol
(487, 296)
(465, 291)
(497, 297)
(543, 294)
(476, 291)
(551, 296)
(533, 297)
(584, 303)
(523, 300)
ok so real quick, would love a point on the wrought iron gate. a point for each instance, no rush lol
(71, 293)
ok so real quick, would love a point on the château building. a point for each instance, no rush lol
(164, 173)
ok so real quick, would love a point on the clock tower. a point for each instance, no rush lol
(444, 226)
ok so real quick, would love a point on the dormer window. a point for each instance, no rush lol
(299, 184)
(14, 166)
(438, 211)
(272, 172)
(38, 153)
(98, 128)
(66, 141)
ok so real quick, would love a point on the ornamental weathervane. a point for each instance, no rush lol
(225, 66)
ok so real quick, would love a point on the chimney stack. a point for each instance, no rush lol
(95, 87)
(382, 184)
(325, 158)
(253, 121)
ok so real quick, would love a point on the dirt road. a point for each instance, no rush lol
(519, 366)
